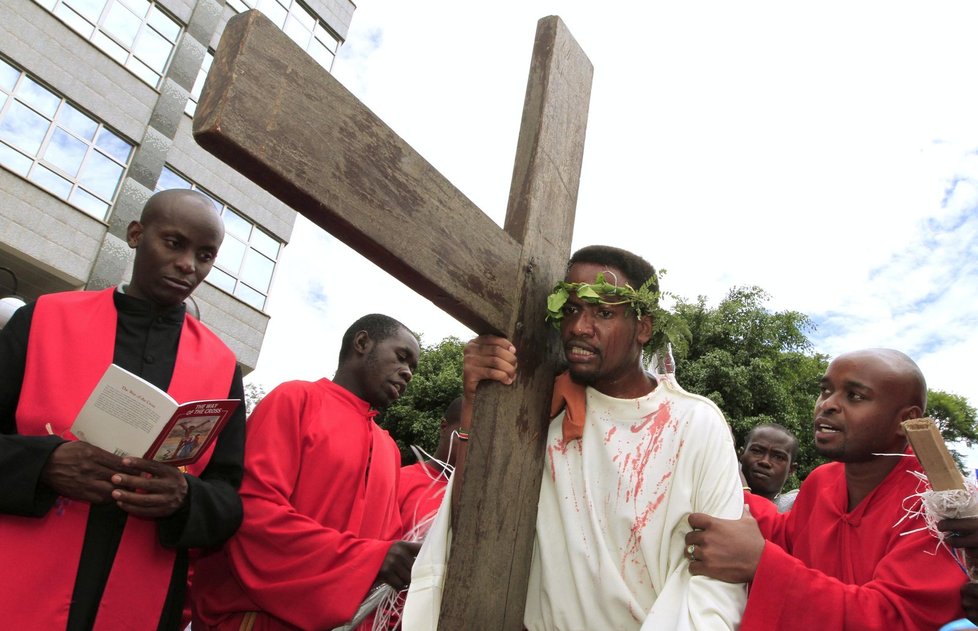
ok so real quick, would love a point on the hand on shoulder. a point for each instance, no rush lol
(725, 549)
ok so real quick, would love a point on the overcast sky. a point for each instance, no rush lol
(826, 152)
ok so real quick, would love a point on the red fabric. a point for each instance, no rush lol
(572, 398)
(858, 571)
(320, 505)
(56, 385)
(419, 493)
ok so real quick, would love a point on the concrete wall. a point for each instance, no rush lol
(241, 327)
(337, 13)
(57, 236)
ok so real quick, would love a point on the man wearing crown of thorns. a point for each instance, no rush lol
(628, 458)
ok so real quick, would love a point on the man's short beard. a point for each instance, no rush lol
(840, 455)
(582, 380)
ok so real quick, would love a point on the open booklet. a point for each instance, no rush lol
(129, 416)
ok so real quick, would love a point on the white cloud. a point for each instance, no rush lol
(805, 148)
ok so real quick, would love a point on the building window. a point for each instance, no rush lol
(136, 33)
(52, 143)
(302, 25)
(246, 261)
(191, 107)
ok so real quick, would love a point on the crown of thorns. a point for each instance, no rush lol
(669, 328)
(644, 301)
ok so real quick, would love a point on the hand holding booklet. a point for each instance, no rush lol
(128, 416)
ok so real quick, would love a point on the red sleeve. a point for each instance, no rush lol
(290, 564)
(418, 495)
(773, 524)
(410, 489)
(911, 590)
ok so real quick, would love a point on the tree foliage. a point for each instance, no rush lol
(757, 365)
(415, 418)
(955, 418)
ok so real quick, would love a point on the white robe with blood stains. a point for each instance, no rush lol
(612, 517)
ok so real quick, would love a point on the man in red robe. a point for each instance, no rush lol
(422, 484)
(89, 539)
(849, 552)
(322, 524)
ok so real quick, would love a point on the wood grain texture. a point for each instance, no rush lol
(488, 571)
(275, 115)
(928, 445)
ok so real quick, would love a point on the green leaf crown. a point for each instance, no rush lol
(667, 328)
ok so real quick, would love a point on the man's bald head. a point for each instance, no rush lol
(901, 367)
(164, 203)
(176, 240)
(864, 397)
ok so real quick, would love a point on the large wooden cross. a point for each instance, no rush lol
(276, 116)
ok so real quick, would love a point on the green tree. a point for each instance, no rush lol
(757, 365)
(415, 418)
(955, 418)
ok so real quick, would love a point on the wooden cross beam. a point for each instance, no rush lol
(276, 116)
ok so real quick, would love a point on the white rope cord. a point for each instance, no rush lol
(934, 506)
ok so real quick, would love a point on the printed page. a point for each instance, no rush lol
(124, 414)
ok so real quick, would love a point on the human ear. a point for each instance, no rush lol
(644, 333)
(906, 414)
(362, 342)
(134, 233)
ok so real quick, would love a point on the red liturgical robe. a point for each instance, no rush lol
(320, 505)
(851, 571)
(56, 385)
(419, 493)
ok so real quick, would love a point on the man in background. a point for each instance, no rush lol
(769, 456)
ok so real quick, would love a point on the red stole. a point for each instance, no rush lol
(71, 343)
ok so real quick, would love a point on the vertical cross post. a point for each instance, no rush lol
(272, 113)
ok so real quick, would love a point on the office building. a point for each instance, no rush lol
(96, 100)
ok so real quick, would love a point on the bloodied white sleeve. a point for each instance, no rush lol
(613, 512)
